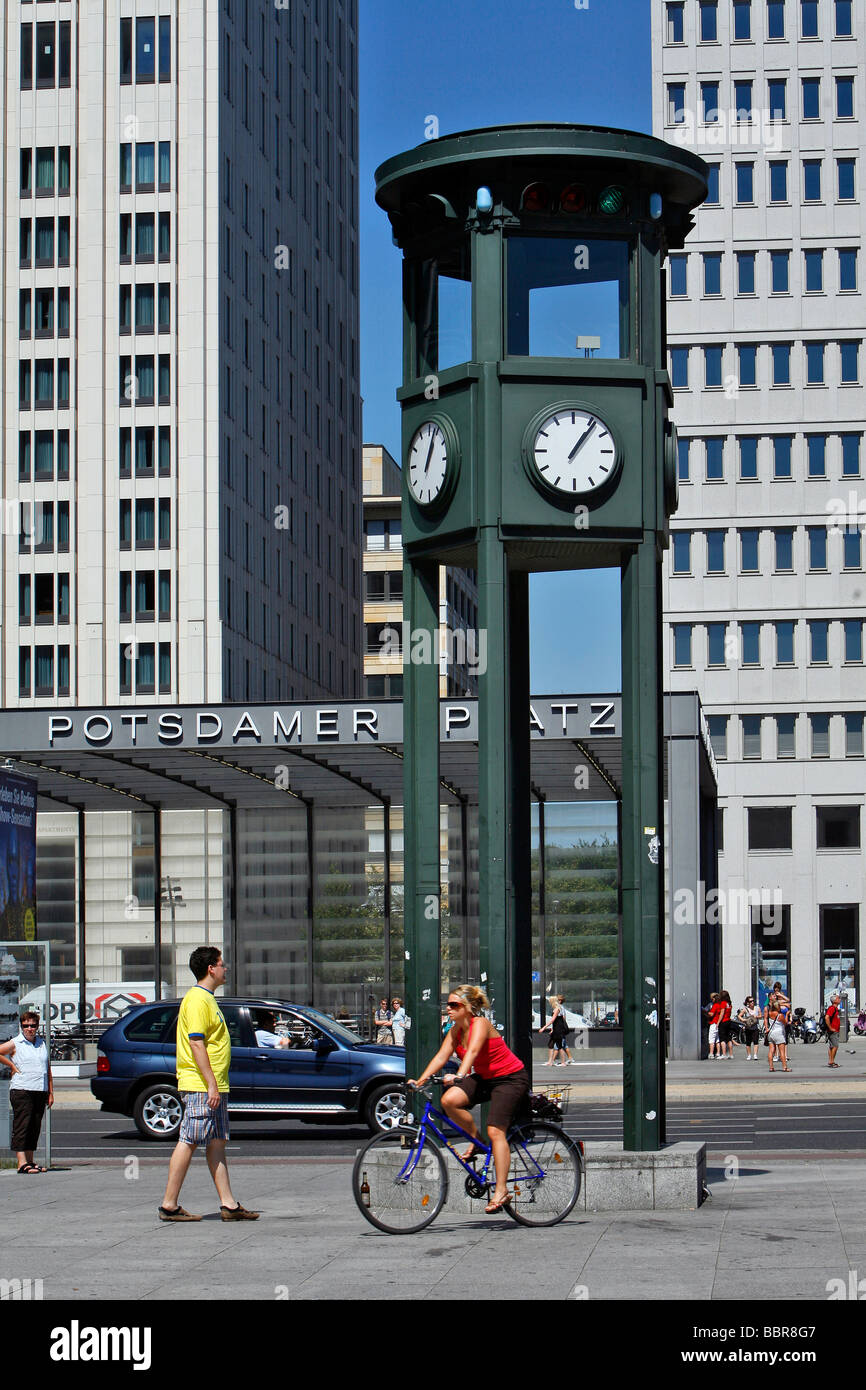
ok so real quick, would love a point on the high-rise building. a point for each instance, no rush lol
(181, 385)
(765, 589)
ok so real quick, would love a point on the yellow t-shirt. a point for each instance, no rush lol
(200, 1016)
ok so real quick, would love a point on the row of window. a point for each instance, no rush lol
(722, 647)
(152, 237)
(152, 518)
(152, 309)
(783, 549)
(44, 455)
(383, 535)
(44, 384)
(138, 661)
(36, 313)
(45, 171)
(383, 586)
(138, 50)
(840, 452)
(786, 738)
(770, 827)
(37, 530)
(43, 671)
(846, 364)
(51, 62)
(43, 598)
(43, 241)
(149, 383)
(743, 108)
(745, 183)
(740, 28)
(152, 164)
(146, 450)
(145, 596)
(778, 263)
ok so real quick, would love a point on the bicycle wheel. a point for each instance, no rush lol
(545, 1174)
(397, 1190)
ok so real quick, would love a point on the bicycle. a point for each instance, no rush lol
(400, 1180)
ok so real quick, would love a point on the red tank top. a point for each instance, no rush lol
(494, 1059)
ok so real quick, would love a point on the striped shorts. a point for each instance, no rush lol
(200, 1124)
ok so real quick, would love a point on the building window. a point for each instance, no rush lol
(745, 272)
(683, 461)
(784, 550)
(709, 103)
(853, 735)
(786, 746)
(778, 180)
(851, 455)
(775, 19)
(682, 552)
(713, 185)
(815, 364)
(712, 366)
(678, 277)
(781, 355)
(745, 183)
(837, 827)
(853, 632)
(845, 189)
(715, 552)
(751, 639)
(751, 737)
(812, 180)
(743, 104)
(779, 267)
(709, 21)
(848, 269)
(748, 457)
(679, 368)
(674, 14)
(747, 358)
(676, 103)
(820, 735)
(714, 459)
(817, 539)
(851, 548)
(814, 271)
(682, 644)
(784, 643)
(844, 27)
(816, 448)
(749, 552)
(818, 641)
(850, 355)
(742, 19)
(770, 827)
(782, 455)
(718, 728)
(811, 98)
(716, 644)
(777, 92)
(712, 261)
(844, 98)
(809, 19)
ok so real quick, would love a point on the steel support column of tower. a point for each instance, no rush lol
(641, 858)
(422, 902)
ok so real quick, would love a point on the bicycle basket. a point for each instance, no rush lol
(551, 1104)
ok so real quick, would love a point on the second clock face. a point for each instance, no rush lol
(574, 451)
(428, 463)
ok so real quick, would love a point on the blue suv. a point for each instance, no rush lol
(320, 1073)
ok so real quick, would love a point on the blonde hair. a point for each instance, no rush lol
(474, 998)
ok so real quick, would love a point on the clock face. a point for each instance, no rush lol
(574, 451)
(427, 463)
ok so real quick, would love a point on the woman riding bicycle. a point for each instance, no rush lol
(497, 1075)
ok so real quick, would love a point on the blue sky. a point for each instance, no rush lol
(492, 62)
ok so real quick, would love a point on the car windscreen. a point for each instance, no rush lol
(331, 1025)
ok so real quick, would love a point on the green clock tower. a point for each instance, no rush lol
(535, 403)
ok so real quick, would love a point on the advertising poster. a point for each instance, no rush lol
(17, 857)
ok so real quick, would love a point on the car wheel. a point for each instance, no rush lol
(158, 1112)
(386, 1107)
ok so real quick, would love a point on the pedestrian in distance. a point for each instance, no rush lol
(714, 1014)
(399, 1022)
(487, 1070)
(726, 1026)
(749, 1015)
(558, 1028)
(31, 1090)
(382, 1021)
(204, 1054)
(833, 1022)
(775, 1022)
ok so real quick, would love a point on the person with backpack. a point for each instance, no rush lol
(833, 1023)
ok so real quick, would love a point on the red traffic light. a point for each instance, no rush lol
(536, 198)
(573, 198)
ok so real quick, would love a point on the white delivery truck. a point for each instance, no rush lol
(105, 1002)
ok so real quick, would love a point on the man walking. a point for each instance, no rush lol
(204, 1054)
(833, 1020)
(31, 1089)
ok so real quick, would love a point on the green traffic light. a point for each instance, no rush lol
(611, 200)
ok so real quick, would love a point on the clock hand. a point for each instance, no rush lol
(583, 438)
(430, 452)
